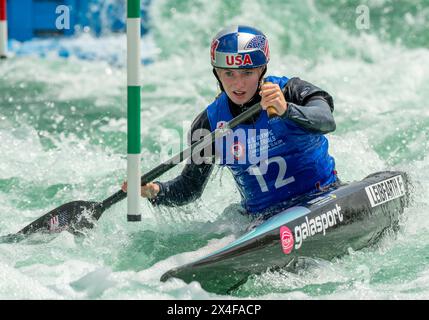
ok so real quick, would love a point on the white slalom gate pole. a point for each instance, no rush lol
(3, 29)
(133, 108)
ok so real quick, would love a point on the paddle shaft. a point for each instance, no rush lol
(171, 163)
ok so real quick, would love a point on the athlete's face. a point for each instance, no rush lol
(240, 84)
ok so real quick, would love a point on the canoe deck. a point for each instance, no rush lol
(322, 226)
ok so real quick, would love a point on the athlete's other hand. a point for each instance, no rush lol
(149, 190)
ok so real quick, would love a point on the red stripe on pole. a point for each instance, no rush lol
(2, 10)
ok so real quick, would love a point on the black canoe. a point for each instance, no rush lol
(323, 226)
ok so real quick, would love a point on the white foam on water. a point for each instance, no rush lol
(75, 160)
(17, 286)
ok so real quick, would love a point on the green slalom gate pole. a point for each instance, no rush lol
(3, 29)
(133, 109)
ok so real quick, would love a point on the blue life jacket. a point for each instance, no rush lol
(272, 160)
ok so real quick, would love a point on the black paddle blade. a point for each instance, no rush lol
(73, 216)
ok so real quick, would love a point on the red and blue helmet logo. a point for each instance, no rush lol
(239, 47)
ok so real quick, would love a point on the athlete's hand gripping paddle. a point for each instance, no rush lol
(271, 110)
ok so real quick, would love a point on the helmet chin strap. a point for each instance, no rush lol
(218, 80)
(261, 78)
(259, 86)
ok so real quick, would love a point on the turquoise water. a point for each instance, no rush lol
(63, 138)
